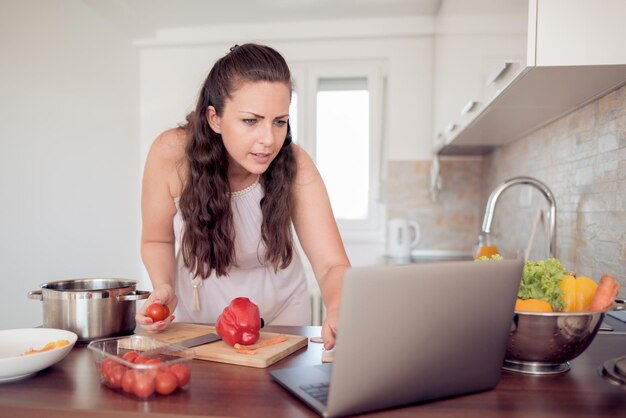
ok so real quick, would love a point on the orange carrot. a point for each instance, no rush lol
(251, 349)
(605, 294)
(245, 351)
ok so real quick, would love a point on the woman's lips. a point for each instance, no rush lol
(261, 158)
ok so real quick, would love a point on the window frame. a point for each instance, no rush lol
(306, 76)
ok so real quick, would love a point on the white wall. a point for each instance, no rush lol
(69, 154)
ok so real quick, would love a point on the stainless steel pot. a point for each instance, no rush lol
(91, 308)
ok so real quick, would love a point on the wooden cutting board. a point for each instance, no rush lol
(221, 352)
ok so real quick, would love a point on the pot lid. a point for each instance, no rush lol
(88, 284)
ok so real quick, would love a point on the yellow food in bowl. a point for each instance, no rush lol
(577, 292)
(532, 305)
(50, 346)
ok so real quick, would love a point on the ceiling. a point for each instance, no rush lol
(143, 17)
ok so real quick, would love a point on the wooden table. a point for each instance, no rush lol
(71, 389)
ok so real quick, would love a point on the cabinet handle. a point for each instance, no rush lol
(469, 107)
(451, 127)
(499, 72)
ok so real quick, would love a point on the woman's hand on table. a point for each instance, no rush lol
(329, 329)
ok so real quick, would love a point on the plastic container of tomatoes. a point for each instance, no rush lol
(142, 367)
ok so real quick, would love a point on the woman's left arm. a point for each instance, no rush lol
(319, 236)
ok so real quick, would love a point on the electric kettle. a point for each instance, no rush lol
(402, 237)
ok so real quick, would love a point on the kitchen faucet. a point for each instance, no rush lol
(495, 194)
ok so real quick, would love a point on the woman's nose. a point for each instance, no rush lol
(267, 135)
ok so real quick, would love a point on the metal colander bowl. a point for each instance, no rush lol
(545, 342)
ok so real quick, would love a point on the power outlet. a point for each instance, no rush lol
(525, 197)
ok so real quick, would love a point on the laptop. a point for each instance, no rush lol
(412, 333)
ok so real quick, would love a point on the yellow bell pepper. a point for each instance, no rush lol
(577, 292)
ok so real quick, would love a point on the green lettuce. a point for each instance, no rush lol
(541, 280)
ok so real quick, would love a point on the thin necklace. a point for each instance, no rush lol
(247, 189)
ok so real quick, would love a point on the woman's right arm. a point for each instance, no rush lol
(161, 183)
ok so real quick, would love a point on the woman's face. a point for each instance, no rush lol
(253, 125)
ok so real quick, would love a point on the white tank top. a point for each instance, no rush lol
(282, 296)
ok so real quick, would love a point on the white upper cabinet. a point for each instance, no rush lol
(577, 32)
(512, 81)
(463, 64)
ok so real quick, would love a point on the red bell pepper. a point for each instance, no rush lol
(240, 322)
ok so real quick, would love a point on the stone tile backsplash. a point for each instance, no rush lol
(580, 157)
(451, 222)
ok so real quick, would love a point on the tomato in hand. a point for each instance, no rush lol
(165, 383)
(158, 312)
(182, 373)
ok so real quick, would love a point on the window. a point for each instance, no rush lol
(342, 140)
(336, 117)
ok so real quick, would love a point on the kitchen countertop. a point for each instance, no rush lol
(430, 256)
(71, 389)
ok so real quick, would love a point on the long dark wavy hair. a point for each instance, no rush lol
(205, 201)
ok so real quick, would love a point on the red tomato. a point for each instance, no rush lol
(128, 381)
(140, 359)
(182, 373)
(105, 366)
(153, 361)
(143, 386)
(151, 372)
(158, 312)
(165, 383)
(130, 356)
(115, 375)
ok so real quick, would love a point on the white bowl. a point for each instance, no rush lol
(15, 342)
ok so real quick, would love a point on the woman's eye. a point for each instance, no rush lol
(281, 122)
(249, 121)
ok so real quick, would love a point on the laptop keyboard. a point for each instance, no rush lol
(317, 390)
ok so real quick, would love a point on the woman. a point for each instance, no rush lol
(220, 195)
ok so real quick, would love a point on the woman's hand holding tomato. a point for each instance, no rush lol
(148, 315)
(158, 312)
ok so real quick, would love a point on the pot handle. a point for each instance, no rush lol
(35, 294)
(619, 305)
(136, 295)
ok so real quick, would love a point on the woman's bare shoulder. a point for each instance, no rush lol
(306, 171)
(166, 160)
(170, 145)
(303, 159)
